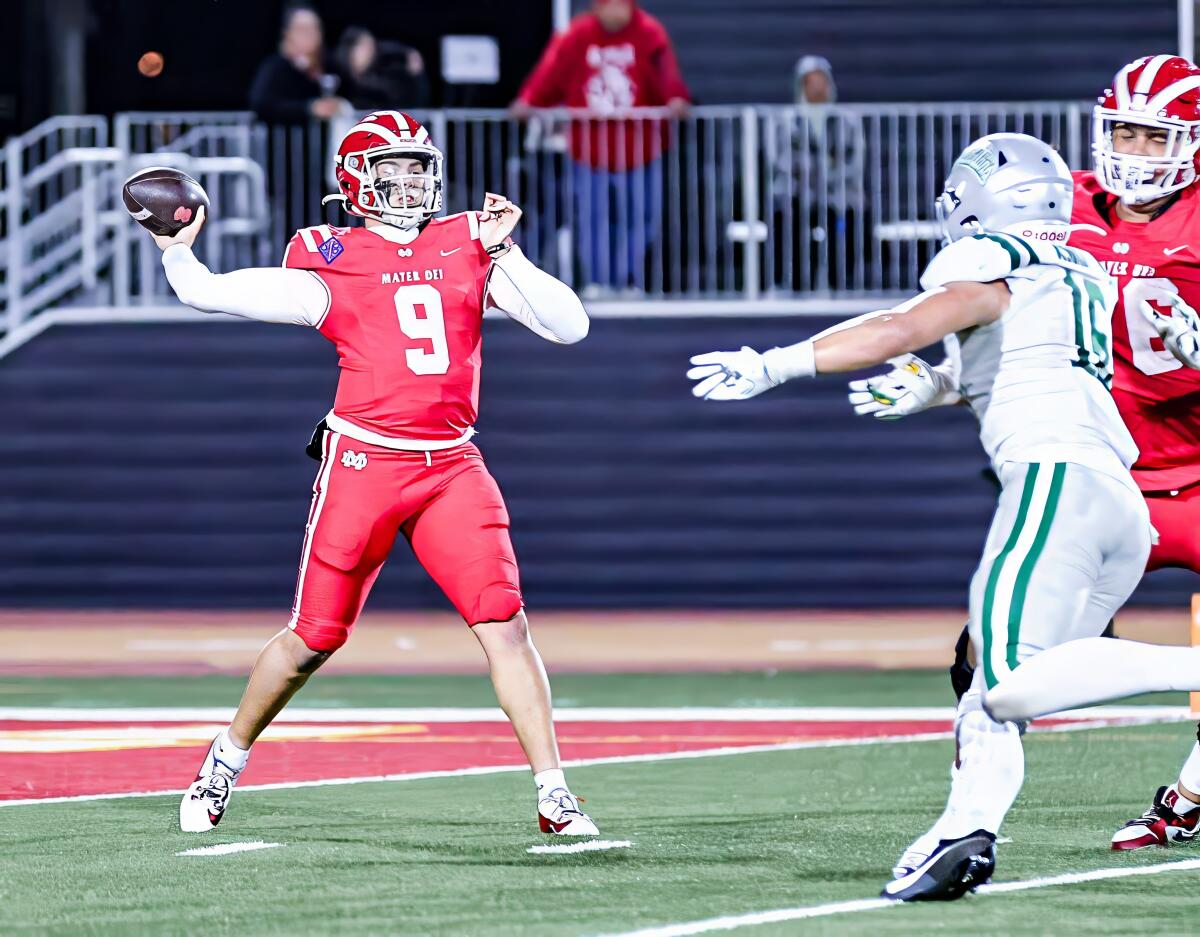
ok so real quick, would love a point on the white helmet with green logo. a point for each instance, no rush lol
(1007, 183)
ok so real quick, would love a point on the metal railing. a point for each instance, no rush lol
(66, 239)
(726, 208)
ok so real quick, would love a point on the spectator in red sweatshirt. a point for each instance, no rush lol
(614, 57)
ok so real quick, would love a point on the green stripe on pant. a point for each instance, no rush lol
(1021, 587)
(989, 592)
(1024, 546)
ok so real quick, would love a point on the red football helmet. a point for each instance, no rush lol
(1161, 92)
(397, 198)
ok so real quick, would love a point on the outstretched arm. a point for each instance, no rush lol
(267, 294)
(861, 343)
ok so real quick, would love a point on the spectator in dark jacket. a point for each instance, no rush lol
(381, 74)
(614, 57)
(296, 83)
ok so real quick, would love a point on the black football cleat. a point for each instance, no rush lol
(956, 867)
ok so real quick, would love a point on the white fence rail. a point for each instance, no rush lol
(728, 208)
(65, 238)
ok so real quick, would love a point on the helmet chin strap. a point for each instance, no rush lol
(404, 223)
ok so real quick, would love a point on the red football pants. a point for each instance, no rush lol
(1176, 517)
(448, 507)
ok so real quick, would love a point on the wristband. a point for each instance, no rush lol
(499, 250)
(784, 364)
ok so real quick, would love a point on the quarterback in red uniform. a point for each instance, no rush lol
(402, 299)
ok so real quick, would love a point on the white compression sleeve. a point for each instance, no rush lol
(541, 303)
(268, 294)
(1089, 671)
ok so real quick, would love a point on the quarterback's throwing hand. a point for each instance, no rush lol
(729, 375)
(1179, 330)
(185, 235)
(910, 387)
(497, 220)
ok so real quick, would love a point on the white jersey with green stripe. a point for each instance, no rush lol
(1039, 378)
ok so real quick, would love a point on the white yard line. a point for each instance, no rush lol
(569, 763)
(581, 714)
(225, 849)
(780, 915)
(588, 845)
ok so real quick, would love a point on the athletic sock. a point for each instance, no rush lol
(1189, 775)
(1088, 671)
(989, 775)
(230, 754)
(549, 780)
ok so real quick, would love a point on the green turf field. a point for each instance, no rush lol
(769, 688)
(712, 836)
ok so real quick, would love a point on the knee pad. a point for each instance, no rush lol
(961, 671)
(497, 601)
(322, 637)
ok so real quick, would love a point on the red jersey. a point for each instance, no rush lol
(1159, 399)
(587, 67)
(406, 321)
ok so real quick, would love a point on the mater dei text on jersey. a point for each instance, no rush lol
(413, 276)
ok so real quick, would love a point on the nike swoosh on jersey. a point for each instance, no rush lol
(1173, 250)
(456, 250)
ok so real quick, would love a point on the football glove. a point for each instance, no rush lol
(1179, 329)
(910, 387)
(729, 375)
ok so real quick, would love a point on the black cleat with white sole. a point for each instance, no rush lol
(956, 867)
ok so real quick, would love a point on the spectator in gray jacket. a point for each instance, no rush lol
(818, 183)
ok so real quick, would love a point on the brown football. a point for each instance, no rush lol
(163, 200)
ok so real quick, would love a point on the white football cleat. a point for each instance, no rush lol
(205, 800)
(559, 815)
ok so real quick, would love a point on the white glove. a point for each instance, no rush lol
(910, 387)
(730, 375)
(1180, 330)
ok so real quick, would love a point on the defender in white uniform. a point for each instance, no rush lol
(1026, 321)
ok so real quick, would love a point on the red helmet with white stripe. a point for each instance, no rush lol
(399, 193)
(1160, 92)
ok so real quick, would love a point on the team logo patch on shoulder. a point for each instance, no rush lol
(331, 249)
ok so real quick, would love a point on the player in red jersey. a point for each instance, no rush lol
(403, 300)
(1141, 210)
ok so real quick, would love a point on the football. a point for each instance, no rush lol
(163, 200)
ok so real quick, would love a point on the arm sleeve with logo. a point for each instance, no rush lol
(544, 305)
(267, 294)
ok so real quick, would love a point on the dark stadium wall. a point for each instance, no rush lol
(881, 50)
(212, 49)
(162, 466)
